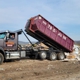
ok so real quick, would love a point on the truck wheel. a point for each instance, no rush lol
(61, 56)
(53, 56)
(42, 55)
(1, 58)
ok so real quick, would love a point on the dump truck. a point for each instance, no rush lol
(45, 32)
(41, 29)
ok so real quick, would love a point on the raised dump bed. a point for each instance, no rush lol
(42, 30)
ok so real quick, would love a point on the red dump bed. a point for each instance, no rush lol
(41, 29)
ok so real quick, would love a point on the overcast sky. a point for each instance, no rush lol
(64, 14)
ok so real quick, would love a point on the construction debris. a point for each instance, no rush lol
(75, 55)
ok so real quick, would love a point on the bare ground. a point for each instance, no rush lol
(40, 70)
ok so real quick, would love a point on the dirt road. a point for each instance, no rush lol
(40, 70)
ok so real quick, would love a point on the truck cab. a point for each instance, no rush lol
(9, 45)
(8, 40)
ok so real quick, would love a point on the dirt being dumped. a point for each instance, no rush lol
(40, 70)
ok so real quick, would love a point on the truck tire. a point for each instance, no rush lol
(61, 56)
(43, 55)
(1, 58)
(52, 56)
